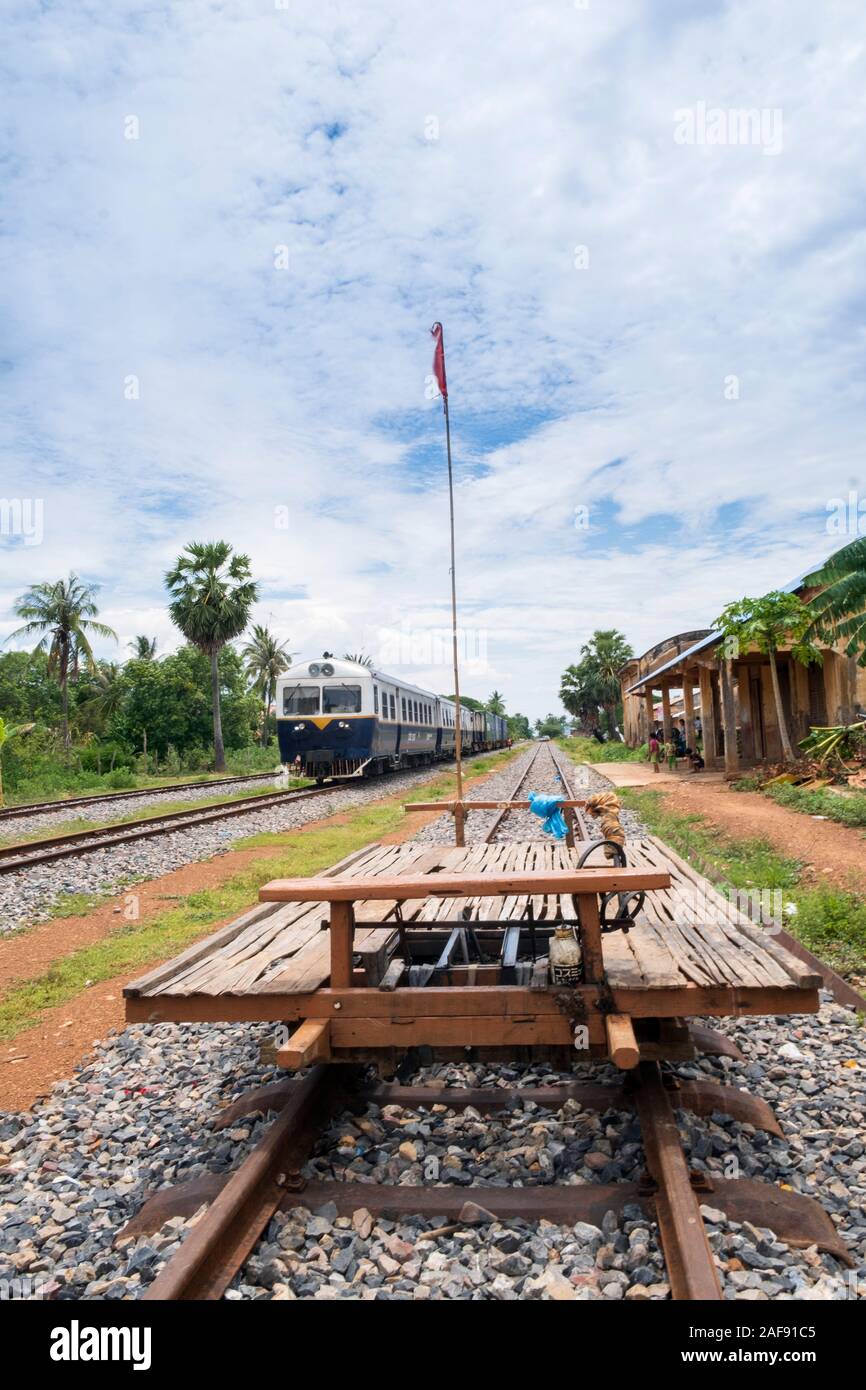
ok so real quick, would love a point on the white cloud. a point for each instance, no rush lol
(304, 387)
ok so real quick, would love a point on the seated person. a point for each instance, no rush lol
(697, 761)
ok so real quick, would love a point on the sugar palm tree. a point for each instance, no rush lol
(266, 659)
(212, 593)
(840, 607)
(142, 648)
(496, 703)
(63, 616)
(359, 658)
(7, 732)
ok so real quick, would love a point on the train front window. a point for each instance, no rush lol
(341, 699)
(301, 699)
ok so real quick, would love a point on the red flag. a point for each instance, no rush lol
(439, 359)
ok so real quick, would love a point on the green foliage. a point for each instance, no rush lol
(593, 683)
(62, 616)
(835, 742)
(27, 691)
(519, 726)
(839, 610)
(212, 593)
(589, 750)
(551, 726)
(775, 620)
(170, 700)
(848, 808)
(266, 659)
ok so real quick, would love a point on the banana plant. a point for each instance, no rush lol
(829, 741)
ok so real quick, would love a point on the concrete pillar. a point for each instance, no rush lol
(689, 709)
(666, 711)
(708, 715)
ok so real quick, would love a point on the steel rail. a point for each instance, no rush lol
(217, 1247)
(514, 795)
(27, 853)
(34, 808)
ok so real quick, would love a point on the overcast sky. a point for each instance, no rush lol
(229, 227)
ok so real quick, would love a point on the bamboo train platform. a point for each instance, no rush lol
(405, 946)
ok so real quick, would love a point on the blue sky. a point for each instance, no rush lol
(308, 188)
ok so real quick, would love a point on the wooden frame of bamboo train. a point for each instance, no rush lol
(482, 1019)
(460, 809)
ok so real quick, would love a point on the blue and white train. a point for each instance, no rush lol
(341, 719)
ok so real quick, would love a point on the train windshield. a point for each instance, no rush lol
(301, 699)
(341, 699)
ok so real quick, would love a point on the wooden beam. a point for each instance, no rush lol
(506, 1000)
(451, 806)
(461, 885)
(342, 925)
(621, 1041)
(708, 715)
(309, 1043)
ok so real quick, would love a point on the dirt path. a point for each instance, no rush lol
(38, 1057)
(832, 853)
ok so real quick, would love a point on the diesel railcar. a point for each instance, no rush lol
(341, 719)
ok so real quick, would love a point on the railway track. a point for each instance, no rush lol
(271, 1178)
(46, 808)
(29, 853)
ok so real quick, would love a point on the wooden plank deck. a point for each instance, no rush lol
(688, 938)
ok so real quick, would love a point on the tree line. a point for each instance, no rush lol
(60, 705)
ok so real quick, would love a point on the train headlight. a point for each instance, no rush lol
(314, 668)
(298, 728)
(327, 669)
(342, 724)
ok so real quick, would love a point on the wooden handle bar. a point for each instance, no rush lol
(442, 885)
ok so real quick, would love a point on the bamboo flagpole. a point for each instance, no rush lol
(439, 373)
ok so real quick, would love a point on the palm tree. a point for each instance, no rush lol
(7, 732)
(496, 703)
(359, 658)
(771, 623)
(840, 607)
(266, 659)
(108, 689)
(211, 597)
(63, 615)
(142, 648)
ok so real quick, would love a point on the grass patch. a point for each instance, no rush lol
(587, 750)
(138, 944)
(848, 808)
(831, 922)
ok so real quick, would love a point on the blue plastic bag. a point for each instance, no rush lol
(548, 808)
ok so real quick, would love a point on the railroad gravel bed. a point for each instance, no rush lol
(28, 895)
(116, 807)
(139, 1116)
(523, 825)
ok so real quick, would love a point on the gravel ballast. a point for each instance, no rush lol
(28, 895)
(139, 1115)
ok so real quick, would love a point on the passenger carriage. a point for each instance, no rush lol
(341, 719)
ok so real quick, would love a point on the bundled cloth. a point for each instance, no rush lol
(549, 809)
(605, 806)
